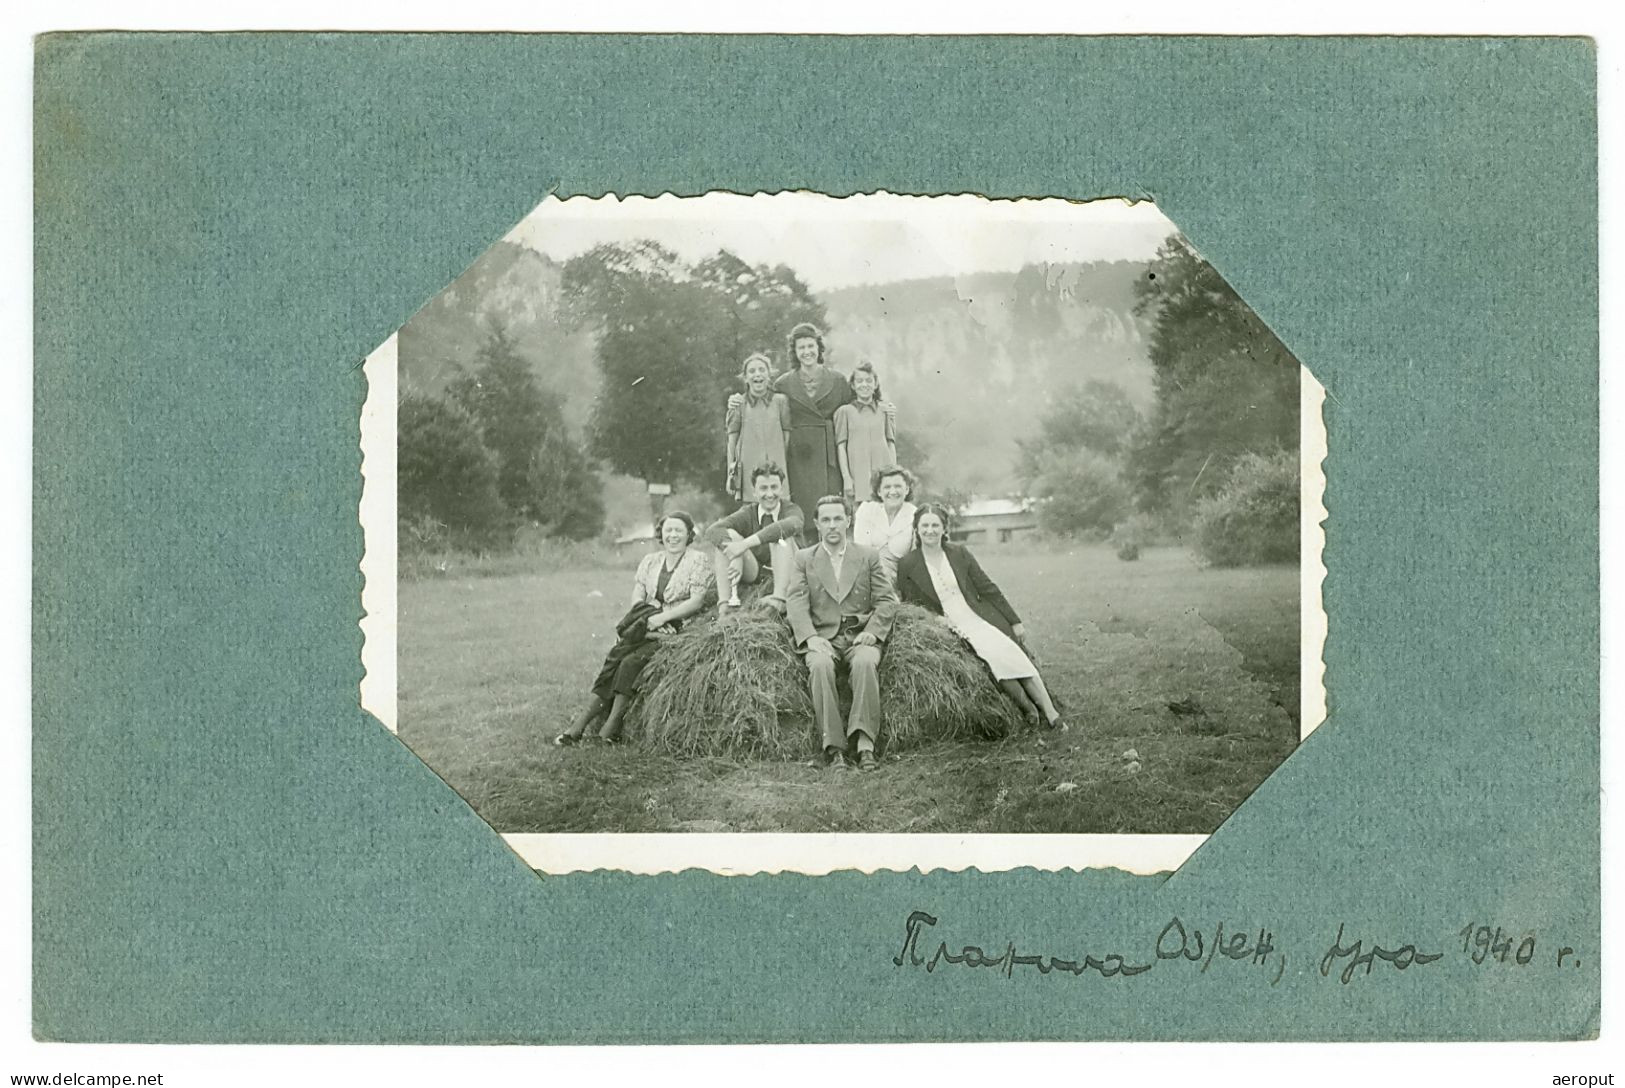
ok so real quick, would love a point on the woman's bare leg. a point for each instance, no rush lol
(1040, 697)
(1018, 695)
(593, 710)
(612, 724)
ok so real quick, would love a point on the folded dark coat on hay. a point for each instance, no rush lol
(981, 592)
(634, 619)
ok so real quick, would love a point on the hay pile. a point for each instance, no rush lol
(739, 688)
(736, 687)
(932, 687)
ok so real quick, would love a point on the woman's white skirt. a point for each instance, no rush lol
(992, 645)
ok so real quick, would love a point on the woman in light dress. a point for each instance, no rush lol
(865, 435)
(945, 578)
(757, 422)
(887, 524)
(815, 392)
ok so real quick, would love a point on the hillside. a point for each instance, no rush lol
(518, 288)
(969, 360)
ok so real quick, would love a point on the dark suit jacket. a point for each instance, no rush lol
(984, 597)
(816, 602)
(745, 521)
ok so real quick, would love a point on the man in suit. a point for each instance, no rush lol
(757, 541)
(841, 606)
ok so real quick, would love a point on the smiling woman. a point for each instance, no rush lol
(1180, 682)
(670, 587)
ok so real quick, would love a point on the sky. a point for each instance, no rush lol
(875, 238)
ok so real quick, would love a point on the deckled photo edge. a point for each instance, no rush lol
(753, 853)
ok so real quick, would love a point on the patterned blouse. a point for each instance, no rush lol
(689, 579)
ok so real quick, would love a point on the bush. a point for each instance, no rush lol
(739, 688)
(1081, 492)
(1253, 518)
(1132, 534)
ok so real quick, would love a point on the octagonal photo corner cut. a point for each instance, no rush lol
(792, 533)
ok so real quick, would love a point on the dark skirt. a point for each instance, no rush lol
(814, 472)
(623, 665)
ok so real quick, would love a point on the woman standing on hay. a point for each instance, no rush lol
(887, 525)
(669, 587)
(945, 578)
(756, 424)
(815, 391)
(865, 435)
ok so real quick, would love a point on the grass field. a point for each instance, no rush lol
(492, 667)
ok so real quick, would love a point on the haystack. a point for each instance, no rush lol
(731, 687)
(933, 687)
(739, 688)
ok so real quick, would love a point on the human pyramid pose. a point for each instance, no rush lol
(803, 448)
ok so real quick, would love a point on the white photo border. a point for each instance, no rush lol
(817, 854)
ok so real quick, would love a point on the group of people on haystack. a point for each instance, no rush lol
(814, 440)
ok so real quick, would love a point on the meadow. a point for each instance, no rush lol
(1180, 684)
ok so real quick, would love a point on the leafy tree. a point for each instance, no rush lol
(670, 343)
(914, 454)
(1225, 385)
(1093, 415)
(446, 477)
(1081, 492)
(759, 305)
(565, 493)
(542, 475)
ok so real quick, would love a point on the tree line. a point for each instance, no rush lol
(1216, 452)
(1216, 456)
(493, 452)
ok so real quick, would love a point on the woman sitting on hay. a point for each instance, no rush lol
(945, 578)
(670, 586)
(887, 524)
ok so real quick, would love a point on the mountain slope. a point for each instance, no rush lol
(970, 360)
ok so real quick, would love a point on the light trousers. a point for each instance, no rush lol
(863, 668)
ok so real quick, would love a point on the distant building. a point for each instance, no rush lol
(639, 538)
(994, 521)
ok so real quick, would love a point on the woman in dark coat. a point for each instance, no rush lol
(815, 390)
(945, 578)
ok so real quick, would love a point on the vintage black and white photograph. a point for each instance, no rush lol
(882, 515)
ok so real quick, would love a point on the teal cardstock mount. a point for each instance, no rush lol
(226, 849)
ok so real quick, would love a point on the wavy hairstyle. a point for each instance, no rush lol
(682, 516)
(940, 511)
(892, 470)
(866, 367)
(766, 468)
(805, 331)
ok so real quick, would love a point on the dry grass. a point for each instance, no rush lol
(933, 688)
(491, 668)
(730, 687)
(738, 688)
